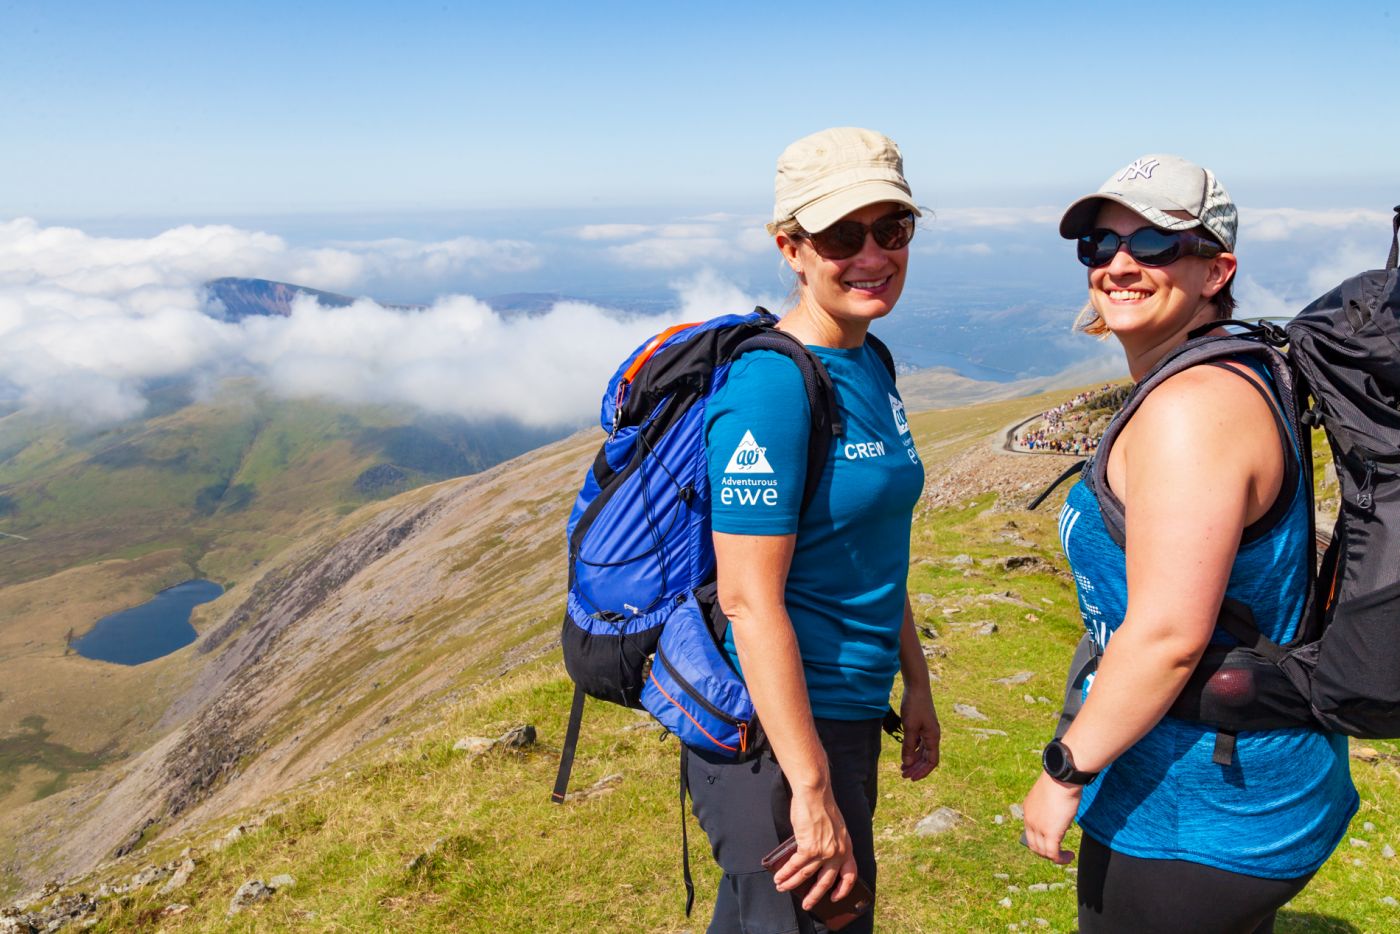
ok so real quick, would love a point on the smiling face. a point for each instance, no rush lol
(1153, 305)
(849, 292)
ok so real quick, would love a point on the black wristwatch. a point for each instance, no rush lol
(1059, 765)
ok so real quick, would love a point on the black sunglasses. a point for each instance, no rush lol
(1148, 245)
(845, 239)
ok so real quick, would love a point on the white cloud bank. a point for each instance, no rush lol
(87, 322)
(689, 243)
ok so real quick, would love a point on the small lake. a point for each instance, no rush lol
(146, 632)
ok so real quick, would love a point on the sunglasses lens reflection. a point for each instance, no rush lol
(893, 231)
(1148, 246)
(845, 239)
(1153, 247)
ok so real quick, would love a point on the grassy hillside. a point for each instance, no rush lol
(97, 520)
(410, 833)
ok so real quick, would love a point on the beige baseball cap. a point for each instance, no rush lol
(825, 176)
(1152, 186)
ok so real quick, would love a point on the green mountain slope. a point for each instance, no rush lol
(96, 520)
(344, 678)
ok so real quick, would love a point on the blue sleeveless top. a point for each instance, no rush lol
(1280, 808)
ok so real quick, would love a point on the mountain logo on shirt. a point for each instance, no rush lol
(901, 421)
(748, 457)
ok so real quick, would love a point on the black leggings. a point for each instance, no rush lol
(1123, 893)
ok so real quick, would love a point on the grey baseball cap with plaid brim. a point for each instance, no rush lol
(1154, 185)
(827, 175)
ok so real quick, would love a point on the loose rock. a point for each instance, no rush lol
(282, 881)
(148, 875)
(1390, 900)
(603, 786)
(1021, 561)
(942, 820)
(1387, 852)
(1018, 812)
(249, 892)
(1038, 887)
(181, 875)
(1005, 902)
(1369, 827)
(986, 629)
(473, 745)
(1020, 677)
(969, 711)
(1359, 843)
(519, 737)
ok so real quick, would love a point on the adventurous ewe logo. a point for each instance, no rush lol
(901, 421)
(748, 457)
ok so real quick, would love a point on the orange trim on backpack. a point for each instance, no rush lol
(742, 731)
(652, 347)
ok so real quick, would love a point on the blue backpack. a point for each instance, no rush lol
(642, 626)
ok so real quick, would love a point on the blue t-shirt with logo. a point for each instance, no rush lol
(846, 585)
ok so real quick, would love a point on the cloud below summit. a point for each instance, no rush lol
(86, 323)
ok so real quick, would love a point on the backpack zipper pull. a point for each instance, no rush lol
(617, 407)
(1364, 498)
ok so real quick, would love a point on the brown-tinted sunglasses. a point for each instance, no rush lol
(845, 239)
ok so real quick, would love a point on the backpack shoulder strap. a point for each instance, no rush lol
(883, 352)
(1291, 467)
(821, 400)
(1194, 352)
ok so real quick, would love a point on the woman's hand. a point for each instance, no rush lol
(919, 757)
(1050, 809)
(824, 851)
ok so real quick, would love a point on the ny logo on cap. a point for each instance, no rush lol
(1141, 168)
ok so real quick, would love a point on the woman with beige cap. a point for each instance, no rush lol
(820, 620)
(1195, 500)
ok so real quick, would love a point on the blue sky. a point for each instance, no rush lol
(618, 157)
(201, 111)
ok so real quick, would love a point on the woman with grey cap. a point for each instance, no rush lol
(1182, 832)
(820, 619)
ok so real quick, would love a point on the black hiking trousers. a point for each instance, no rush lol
(1119, 893)
(744, 807)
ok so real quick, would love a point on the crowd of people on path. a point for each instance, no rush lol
(1075, 425)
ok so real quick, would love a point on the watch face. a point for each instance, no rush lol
(1055, 760)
